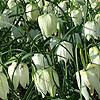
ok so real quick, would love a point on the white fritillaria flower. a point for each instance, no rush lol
(76, 16)
(83, 82)
(93, 3)
(48, 24)
(19, 74)
(31, 12)
(64, 51)
(63, 6)
(40, 61)
(91, 28)
(48, 8)
(44, 81)
(4, 88)
(94, 54)
(89, 79)
(93, 72)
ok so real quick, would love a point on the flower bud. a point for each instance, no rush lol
(4, 88)
(32, 12)
(76, 16)
(19, 74)
(48, 24)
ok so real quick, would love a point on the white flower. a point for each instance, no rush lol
(4, 88)
(91, 28)
(19, 74)
(48, 8)
(63, 6)
(40, 61)
(48, 24)
(45, 83)
(93, 3)
(64, 51)
(89, 78)
(32, 12)
(94, 54)
(93, 76)
(83, 82)
(76, 16)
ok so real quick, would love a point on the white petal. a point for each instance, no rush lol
(11, 69)
(16, 79)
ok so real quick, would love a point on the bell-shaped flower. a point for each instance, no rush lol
(32, 12)
(93, 77)
(83, 82)
(41, 61)
(64, 51)
(54, 80)
(48, 24)
(94, 54)
(91, 28)
(76, 15)
(4, 88)
(93, 3)
(63, 6)
(44, 80)
(48, 7)
(19, 74)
